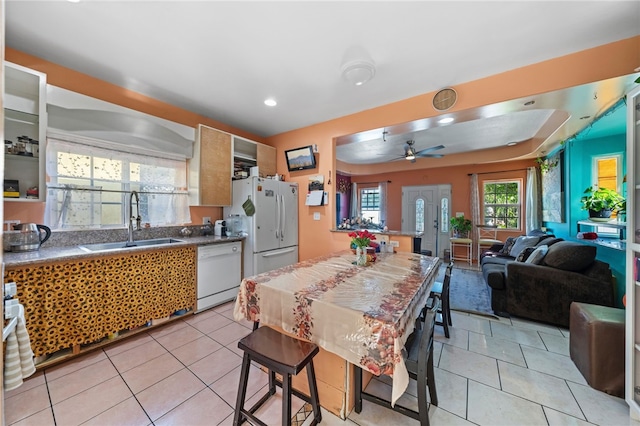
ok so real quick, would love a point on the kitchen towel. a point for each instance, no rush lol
(249, 207)
(18, 358)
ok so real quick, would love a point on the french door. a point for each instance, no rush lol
(426, 209)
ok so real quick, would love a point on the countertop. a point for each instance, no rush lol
(378, 231)
(52, 254)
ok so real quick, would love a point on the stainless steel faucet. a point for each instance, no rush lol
(137, 218)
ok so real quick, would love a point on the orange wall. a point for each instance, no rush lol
(603, 62)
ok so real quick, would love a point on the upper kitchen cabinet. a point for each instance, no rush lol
(247, 154)
(219, 157)
(210, 168)
(25, 127)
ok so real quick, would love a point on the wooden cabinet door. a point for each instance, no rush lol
(266, 160)
(215, 167)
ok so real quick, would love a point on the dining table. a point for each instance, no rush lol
(361, 314)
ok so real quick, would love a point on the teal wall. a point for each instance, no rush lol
(578, 159)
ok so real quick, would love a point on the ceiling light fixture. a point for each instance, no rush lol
(358, 72)
(445, 120)
(512, 143)
(270, 102)
(410, 155)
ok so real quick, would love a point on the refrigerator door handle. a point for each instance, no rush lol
(280, 252)
(283, 213)
(277, 218)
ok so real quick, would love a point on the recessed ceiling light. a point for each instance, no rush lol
(529, 103)
(512, 143)
(73, 1)
(270, 102)
(445, 120)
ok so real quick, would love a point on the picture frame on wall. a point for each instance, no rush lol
(300, 158)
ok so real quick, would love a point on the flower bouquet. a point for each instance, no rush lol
(360, 241)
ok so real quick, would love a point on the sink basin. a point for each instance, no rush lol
(123, 245)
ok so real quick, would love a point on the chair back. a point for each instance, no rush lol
(418, 349)
(487, 232)
(446, 282)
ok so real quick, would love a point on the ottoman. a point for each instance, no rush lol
(596, 345)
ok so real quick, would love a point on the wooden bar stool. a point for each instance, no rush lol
(280, 354)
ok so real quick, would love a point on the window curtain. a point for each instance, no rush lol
(382, 189)
(475, 208)
(355, 206)
(89, 186)
(532, 200)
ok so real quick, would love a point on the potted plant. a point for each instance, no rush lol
(601, 202)
(460, 226)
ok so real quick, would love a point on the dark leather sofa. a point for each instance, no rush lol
(543, 292)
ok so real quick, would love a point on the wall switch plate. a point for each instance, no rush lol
(394, 243)
(316, 216)
(206, 220)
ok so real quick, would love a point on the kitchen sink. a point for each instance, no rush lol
(123, 245)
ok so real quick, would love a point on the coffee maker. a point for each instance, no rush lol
(220, 228)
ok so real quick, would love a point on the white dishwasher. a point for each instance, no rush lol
(218, 273)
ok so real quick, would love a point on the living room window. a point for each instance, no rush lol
(607, 171)
(370, 204)
(501, 204)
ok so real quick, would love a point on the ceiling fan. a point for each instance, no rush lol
(411, 154)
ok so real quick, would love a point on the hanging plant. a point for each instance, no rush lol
(547, 164)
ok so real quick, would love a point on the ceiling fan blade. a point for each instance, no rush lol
(430, 155)
(427, 150)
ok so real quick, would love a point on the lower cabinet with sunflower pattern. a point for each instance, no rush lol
(73, 306)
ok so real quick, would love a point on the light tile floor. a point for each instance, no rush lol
(490, 372)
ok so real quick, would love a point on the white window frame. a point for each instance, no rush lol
(166, 200)
(518, 206)
(603, 231)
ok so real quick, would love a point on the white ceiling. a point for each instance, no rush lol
(222, 59)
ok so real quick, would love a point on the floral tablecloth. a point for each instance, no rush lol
(361, 313)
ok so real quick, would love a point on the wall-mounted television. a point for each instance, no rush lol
(300, 158)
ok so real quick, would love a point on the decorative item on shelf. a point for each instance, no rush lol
(33, 193)
(601, 202)
(460, 226)
(360, 241)
(11, 188)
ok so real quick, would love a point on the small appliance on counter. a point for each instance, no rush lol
(235, 225)
(220, 228)
(26, 237)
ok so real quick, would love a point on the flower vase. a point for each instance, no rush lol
(361, 256)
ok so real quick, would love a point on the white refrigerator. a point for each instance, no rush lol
(272, 231)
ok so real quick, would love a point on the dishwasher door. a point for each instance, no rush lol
(218, 273)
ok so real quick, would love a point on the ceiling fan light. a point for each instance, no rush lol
(410, 155)
(358, 72)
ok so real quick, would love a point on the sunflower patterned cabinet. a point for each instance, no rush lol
(74, 303)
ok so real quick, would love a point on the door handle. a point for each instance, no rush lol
(278, 253)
